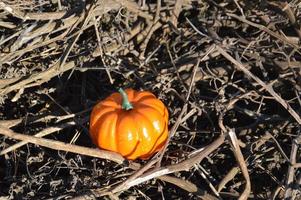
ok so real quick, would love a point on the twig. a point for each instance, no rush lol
(230, 175)
(133, 7)
(278, 146)
(234, 171)
(265, 29)
(291, 171)
(242, 164)
(260, 82)
(184, 165)
(135, 175)
(152, 27)
(179, 119)
(176, 12)
(240, 8)
(52, 144)
(31, 16)
(68, 49)
(42, 133)
(188, 186)
(41, 77)
(99, 47)
(10, 123)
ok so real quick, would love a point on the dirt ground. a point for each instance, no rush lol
(229, 73)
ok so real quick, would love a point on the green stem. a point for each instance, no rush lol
(125, 101)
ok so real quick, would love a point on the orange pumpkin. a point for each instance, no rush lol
(132, 123)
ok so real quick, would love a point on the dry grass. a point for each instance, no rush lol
(228, 71)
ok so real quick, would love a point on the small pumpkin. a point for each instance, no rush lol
(132, 123)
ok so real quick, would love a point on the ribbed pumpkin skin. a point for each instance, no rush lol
(135, 133)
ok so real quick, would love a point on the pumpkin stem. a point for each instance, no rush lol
(125, 101)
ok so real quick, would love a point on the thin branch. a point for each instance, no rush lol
(260, 82)
(184, 165)
(242, 164)
(52, 144)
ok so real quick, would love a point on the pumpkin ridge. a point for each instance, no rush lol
(148, 97)
(112, 133)
(152, 106)
(99, 128)
(110, 103)
(93, 135)
(151, 125)
(156, 145)
(149, 100)
(116, 130)
(140, 96)
(165, 129)
(96, 121)
(161, 135)
(95, 116)
(145, 117)
(133, 151)
(120, 147)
